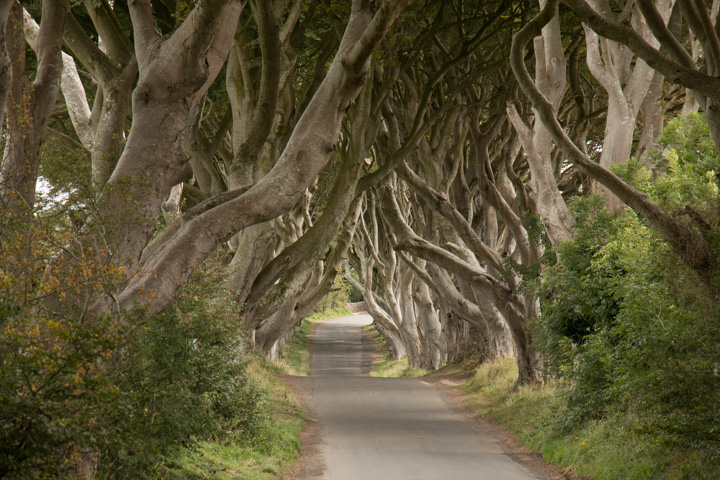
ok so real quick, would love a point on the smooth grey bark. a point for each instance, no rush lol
(653, 116)
(305, 277)
(403, 304)
(5, 63)
(550, 77)
(258, 115)
(508, 303)
(627, 85)
(429, 328)
(691, 246)
(308, 149)
(310, 247)
(448, 211)
(175, 73)
(679, 67)
(333, 266)
(254, 113)
(374, 277)
(284, 278)
(383, 321)
(114, 67)
(480, 315)
(30, 105)
(255, 248)
(392, 282)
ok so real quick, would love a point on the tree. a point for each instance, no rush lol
(112, 262)
(691, 245)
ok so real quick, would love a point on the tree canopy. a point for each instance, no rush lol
(497, 177)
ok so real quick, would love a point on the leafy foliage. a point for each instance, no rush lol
(122, 393)
(184, 372)
(627, 328)
(338, 297)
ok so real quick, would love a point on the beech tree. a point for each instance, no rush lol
(147, 123)
(425, 150)
(688, 236)
(175, 73)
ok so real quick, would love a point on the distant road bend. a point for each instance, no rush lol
(391, 428)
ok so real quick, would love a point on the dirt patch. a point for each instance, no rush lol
(447, 385)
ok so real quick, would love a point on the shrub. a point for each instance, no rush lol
(115, 395)
(628, 329)
(185, 374)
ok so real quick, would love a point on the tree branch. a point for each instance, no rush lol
(690, 78)
(691, 247)
(144, 29)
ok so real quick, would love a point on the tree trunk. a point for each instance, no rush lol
(694, 249)
(429, 325)
(30, 106)
(309, 148)
(6, 73)
(550, 76)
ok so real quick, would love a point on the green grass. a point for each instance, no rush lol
(271, 456)
(396, 369)
(610, 449)
(267, 458)
(387, 367)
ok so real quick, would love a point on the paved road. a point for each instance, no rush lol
(395, 428)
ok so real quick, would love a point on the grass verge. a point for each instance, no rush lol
(262, 459)
(608, 449)
(386, 366)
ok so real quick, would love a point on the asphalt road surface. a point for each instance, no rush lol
(391, 428)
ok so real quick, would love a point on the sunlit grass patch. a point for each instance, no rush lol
(396, 368)
(264, 458)
(386, 366)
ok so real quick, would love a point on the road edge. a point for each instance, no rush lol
(448, 387)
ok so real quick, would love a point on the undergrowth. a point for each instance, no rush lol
(296, 354)
(271, 454)
(608, 449)
(266, 457)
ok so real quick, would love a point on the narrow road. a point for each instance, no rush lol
(391, 428)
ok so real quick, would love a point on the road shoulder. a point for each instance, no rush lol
(448, 386)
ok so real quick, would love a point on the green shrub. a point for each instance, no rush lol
(185, 374)
(55, 393)
(122, 396)
(628, 330)
(338, 297)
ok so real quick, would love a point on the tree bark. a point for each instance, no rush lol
(679, 68)
(30, 105)
(309, 148)
(6, 72)
(692, 247)
(550, 77)
(508, 303)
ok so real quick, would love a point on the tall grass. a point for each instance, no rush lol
(386, 366)
(608, 449)
(267, 457)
